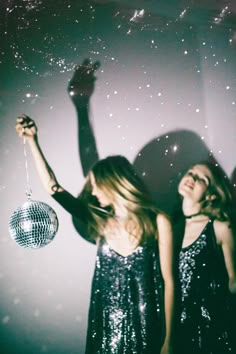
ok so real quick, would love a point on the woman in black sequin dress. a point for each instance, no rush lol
(131, 306)
(206, 263)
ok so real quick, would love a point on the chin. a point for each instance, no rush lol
(103, 204)
(182, 191)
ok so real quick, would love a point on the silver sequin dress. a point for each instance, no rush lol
(126, 308)
(126, 313)
(204, 319)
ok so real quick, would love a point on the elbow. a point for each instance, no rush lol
(53, 187)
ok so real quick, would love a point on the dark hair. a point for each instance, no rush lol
(221, 207)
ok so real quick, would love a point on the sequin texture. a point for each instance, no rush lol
(126, 308)
(204, 319)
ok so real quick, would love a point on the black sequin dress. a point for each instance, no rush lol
(126, 308)
(126, 313)
(204, 319)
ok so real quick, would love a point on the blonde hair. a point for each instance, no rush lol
(118, 179)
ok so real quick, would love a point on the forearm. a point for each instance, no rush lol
(169, 310)
(45, 172)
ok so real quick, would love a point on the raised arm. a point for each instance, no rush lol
(165, 242)
(27, 129)
(80, 90)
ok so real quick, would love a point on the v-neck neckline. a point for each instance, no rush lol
(198, 237)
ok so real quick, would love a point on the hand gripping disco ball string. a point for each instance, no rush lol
(34, 224)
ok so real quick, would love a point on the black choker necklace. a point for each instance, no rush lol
(192, 215)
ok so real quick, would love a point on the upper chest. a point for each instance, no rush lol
(193, 230)
(123, 238)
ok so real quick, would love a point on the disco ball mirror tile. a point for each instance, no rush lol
(33, 225)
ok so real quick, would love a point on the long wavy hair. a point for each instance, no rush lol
(222, 206)
(116, 177)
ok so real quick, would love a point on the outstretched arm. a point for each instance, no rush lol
(80, 90)
(26, 128)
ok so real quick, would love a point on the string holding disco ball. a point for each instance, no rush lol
(34, 224)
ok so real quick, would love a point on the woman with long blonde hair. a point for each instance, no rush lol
(131, 306)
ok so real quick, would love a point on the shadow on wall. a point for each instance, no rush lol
(160, 163)
(233, 181)
(163, 160)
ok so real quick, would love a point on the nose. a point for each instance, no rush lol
(190, 180)
(95, 191)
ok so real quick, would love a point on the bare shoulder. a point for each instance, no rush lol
(223, 231)
(162, 219)
(221, 226)
(164, 226)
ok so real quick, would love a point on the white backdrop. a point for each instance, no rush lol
(165, 88)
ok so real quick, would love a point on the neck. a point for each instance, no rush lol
(120, 213)
(192, 215)
(190, 209)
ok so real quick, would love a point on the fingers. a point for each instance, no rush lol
(24, 124)
(20, 130)
(96, 65)
(86, 62)
(91, 68)
(82, 82)
(25, 121)
(87, 67)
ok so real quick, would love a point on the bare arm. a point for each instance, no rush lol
(165, 238)
(226, 239)
(26, 128)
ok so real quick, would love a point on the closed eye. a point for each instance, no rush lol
(190, 174)
(203, 180)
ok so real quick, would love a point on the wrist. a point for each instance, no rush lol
(32, 141)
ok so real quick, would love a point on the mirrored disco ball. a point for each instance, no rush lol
(33, 225)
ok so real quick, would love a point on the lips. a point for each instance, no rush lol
(189, 185)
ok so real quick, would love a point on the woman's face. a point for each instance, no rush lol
(101, 196)
(195, 182)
